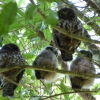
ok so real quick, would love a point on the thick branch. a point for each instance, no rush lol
(52, 70)
(76, 36)
(93, 5)
(92, 24)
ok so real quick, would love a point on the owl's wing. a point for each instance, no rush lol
(56, 38)
(3, 62)
(15, 75)
(3, 59)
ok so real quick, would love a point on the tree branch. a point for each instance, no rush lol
(81, 15)
(67, 93)
(93, 5)
(65, 33)
(76, 36)
(51, 70)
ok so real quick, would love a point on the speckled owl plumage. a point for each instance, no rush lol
(10, 57)
(68, 21)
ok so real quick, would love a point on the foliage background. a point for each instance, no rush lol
(30, 27)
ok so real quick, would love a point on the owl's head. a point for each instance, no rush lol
(86, 54)
(52, 49)
(66, 14)
(10, 48)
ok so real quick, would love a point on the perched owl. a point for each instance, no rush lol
(10, 57)
(68, 21)
(46, 59)
(83, 64)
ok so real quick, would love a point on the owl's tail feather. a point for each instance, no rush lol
(8, 90)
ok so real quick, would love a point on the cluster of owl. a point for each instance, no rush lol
(10, 56)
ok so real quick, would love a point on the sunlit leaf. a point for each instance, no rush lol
(7, 16)
(64, 90)
(51, 18)
(30, 12)
(48, 0)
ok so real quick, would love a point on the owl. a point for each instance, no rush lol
(47, 58)
(68, 21)
(83, 64)
(10, 57)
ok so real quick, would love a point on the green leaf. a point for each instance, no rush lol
(1, 40)
(29, 72)
(30, 12)
(28, 55)
(21, 12)
(47, 88)
(20, 2)
(49, 0)
(7, 16)
(51, 18)
(6, 1)
(47, 34)
(4, 98)
(18, 24)
(64, 89)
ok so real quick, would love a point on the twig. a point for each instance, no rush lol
(11, 81)
(93, 5)
(92, 24)
(67, 93)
